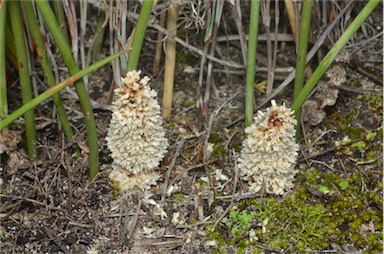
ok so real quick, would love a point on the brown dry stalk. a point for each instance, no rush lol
(170, 60)
(159, 47)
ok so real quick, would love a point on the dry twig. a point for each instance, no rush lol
(232, 198)
(170, 167)
(211, 118)
(34, 202)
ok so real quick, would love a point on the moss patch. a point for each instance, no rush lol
(276, 224)
(301, 222)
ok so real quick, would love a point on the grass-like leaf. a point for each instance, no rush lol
(48, 73)
(337, 47)
(305, 25)
(251, 62)
(55, 89)
(3, 81)
(25, 81)
(138, 37)
(65, 50)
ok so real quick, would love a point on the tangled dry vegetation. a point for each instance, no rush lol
(200, 204)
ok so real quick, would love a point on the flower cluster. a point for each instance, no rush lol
(136, 137)
(270, 152)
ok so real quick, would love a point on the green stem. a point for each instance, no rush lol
(98, 41)
(138, 38)
(3, 77)
(9, 43)
(251, 62)
(305, 26)
(60, 17)
(25, 81)
(48, 73)
(81, 90)
(337, 47)
(55, 89)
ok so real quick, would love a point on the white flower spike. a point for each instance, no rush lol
(136, 137)
(270, 151)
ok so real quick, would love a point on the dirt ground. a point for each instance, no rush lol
(51, 206)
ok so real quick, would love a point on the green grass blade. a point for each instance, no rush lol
(48, 73)
(251, 62)
(81, 90)
(305, 26)
(337, 47)
(25, 81)
(55, 89)
(141, 26)
(3, 78)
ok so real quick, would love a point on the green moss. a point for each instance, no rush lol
(220, 251)
(338, 119)
(380, 132)
(3, 235)
(201, 182)
(115, 190)
(352, 209)
(179, 196)
(281, 224)
(214, 138)
(301, 193)
(376, 199)
(375, 101)
(215, 235)
(237, 147)
(313, 176)
(378, 226)
(218, 150)
(371, 155)
(239, 221)
(358, 146)
(257, 251)
(302, 221)
(190, 103)
(354, 133)
(371, 135)
(181, 56)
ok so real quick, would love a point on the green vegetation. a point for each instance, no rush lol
(251, 61)
(179, 196)
(301, 221)
(62, 44)
(280, 225)
(239, 222)
(340, 206)
(333, 52)
(305, 27)
(115, 190)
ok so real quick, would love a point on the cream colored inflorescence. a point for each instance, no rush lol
(270, 151)
(136, 137)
